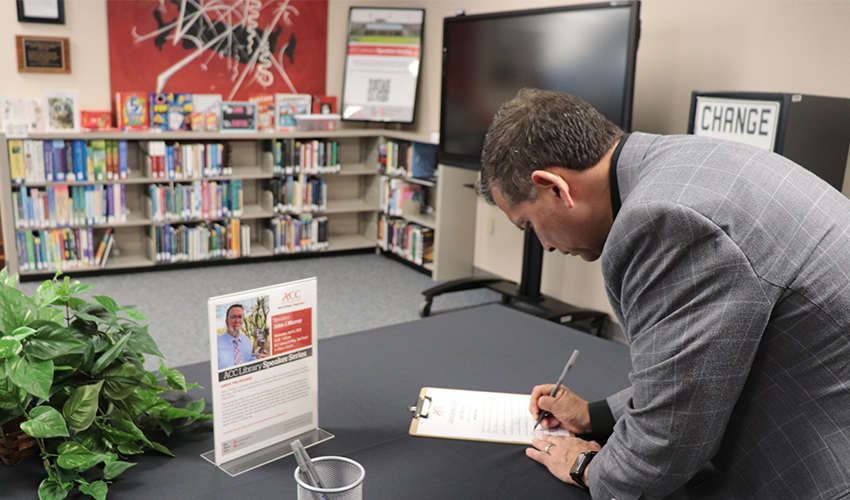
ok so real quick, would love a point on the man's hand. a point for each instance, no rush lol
(568, 410)
(263, 354)
(558, 453)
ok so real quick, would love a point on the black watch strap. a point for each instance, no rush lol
(577, 472)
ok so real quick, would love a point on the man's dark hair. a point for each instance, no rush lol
(227, 314)
(539, 129)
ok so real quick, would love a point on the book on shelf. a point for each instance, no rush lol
(37, 161)
(422, 160)
(63, 205)
(324, 104)
(297, 233)
(408, 159)
(289, 105)
(55, 249)
(170, 111)
(17, 164)
(408, 240)
(101, 249)
(206, 112)
(265, 111)
(109, 244)
(201, 199)
(131, 111)
(399, 198)
(237, 116)
(298, 194)
(293, 156)
(205, 241)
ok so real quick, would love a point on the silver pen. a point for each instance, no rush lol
(558, 384)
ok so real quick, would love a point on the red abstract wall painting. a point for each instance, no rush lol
(235, 48)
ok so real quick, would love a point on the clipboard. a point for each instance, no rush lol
(495, 417)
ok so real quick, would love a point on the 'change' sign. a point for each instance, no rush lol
(749, 122)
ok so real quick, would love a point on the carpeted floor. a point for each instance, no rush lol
(356, 292)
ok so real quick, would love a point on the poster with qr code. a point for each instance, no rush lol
(382, 64)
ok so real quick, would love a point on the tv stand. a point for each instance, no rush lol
(526, 295)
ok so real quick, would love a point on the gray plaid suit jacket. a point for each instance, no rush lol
(728, 268)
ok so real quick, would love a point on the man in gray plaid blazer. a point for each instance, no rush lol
(728, 268)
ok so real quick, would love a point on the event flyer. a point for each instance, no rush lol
(382, 67)
(264, 370)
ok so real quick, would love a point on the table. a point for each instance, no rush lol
(367, 380)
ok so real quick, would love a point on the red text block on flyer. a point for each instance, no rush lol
(292, 331)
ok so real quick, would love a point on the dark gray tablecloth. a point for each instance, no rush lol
(367, 380)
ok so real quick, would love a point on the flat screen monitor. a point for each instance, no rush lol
(587, 50)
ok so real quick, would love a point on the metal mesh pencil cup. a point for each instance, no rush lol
(342, 477)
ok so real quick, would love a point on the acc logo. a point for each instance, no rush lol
(290, 296)
(438, 410)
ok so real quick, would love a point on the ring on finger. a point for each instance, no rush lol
(546, 449)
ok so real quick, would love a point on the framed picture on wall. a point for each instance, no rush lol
(41, 11)
(41, 54)
(382, 64)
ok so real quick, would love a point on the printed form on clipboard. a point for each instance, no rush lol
(477, 416)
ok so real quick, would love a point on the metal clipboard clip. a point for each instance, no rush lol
(422, 408)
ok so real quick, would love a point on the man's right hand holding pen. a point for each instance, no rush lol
(567, 410)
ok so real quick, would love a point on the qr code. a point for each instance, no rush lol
(379, 90)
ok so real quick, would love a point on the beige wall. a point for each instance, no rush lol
(757, 45)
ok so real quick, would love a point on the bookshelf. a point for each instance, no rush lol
(351, 209)
(427, 217)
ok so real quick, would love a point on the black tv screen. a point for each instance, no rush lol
(586, 50)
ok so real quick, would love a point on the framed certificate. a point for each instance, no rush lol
(41, 11)
(382, 64)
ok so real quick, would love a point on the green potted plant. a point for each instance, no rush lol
(72, 373)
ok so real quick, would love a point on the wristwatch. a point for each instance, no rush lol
(577, 472)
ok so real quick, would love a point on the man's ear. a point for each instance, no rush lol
(553, 184)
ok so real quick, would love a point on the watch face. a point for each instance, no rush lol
(577, 472)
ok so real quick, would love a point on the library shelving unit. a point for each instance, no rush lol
(352, 204)
(425, 213)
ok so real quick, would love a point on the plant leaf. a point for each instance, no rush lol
(114, 469)
(73, 455)
(96, 489)
(176, 380)
(81, 408)
(50, 489)
(16, 309)
(34, 377)
(118, 437)
(9, 346)
(96, 313)
(23, 332)
(130, 449)
(45, 422)
(130, 428)
(110, 355)
(160, 448)
(52, 340)
(77, 288)
(66, 477)
(122, 380)
(107, 302)
(134, 314)
(141, 341)
(196, 406)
